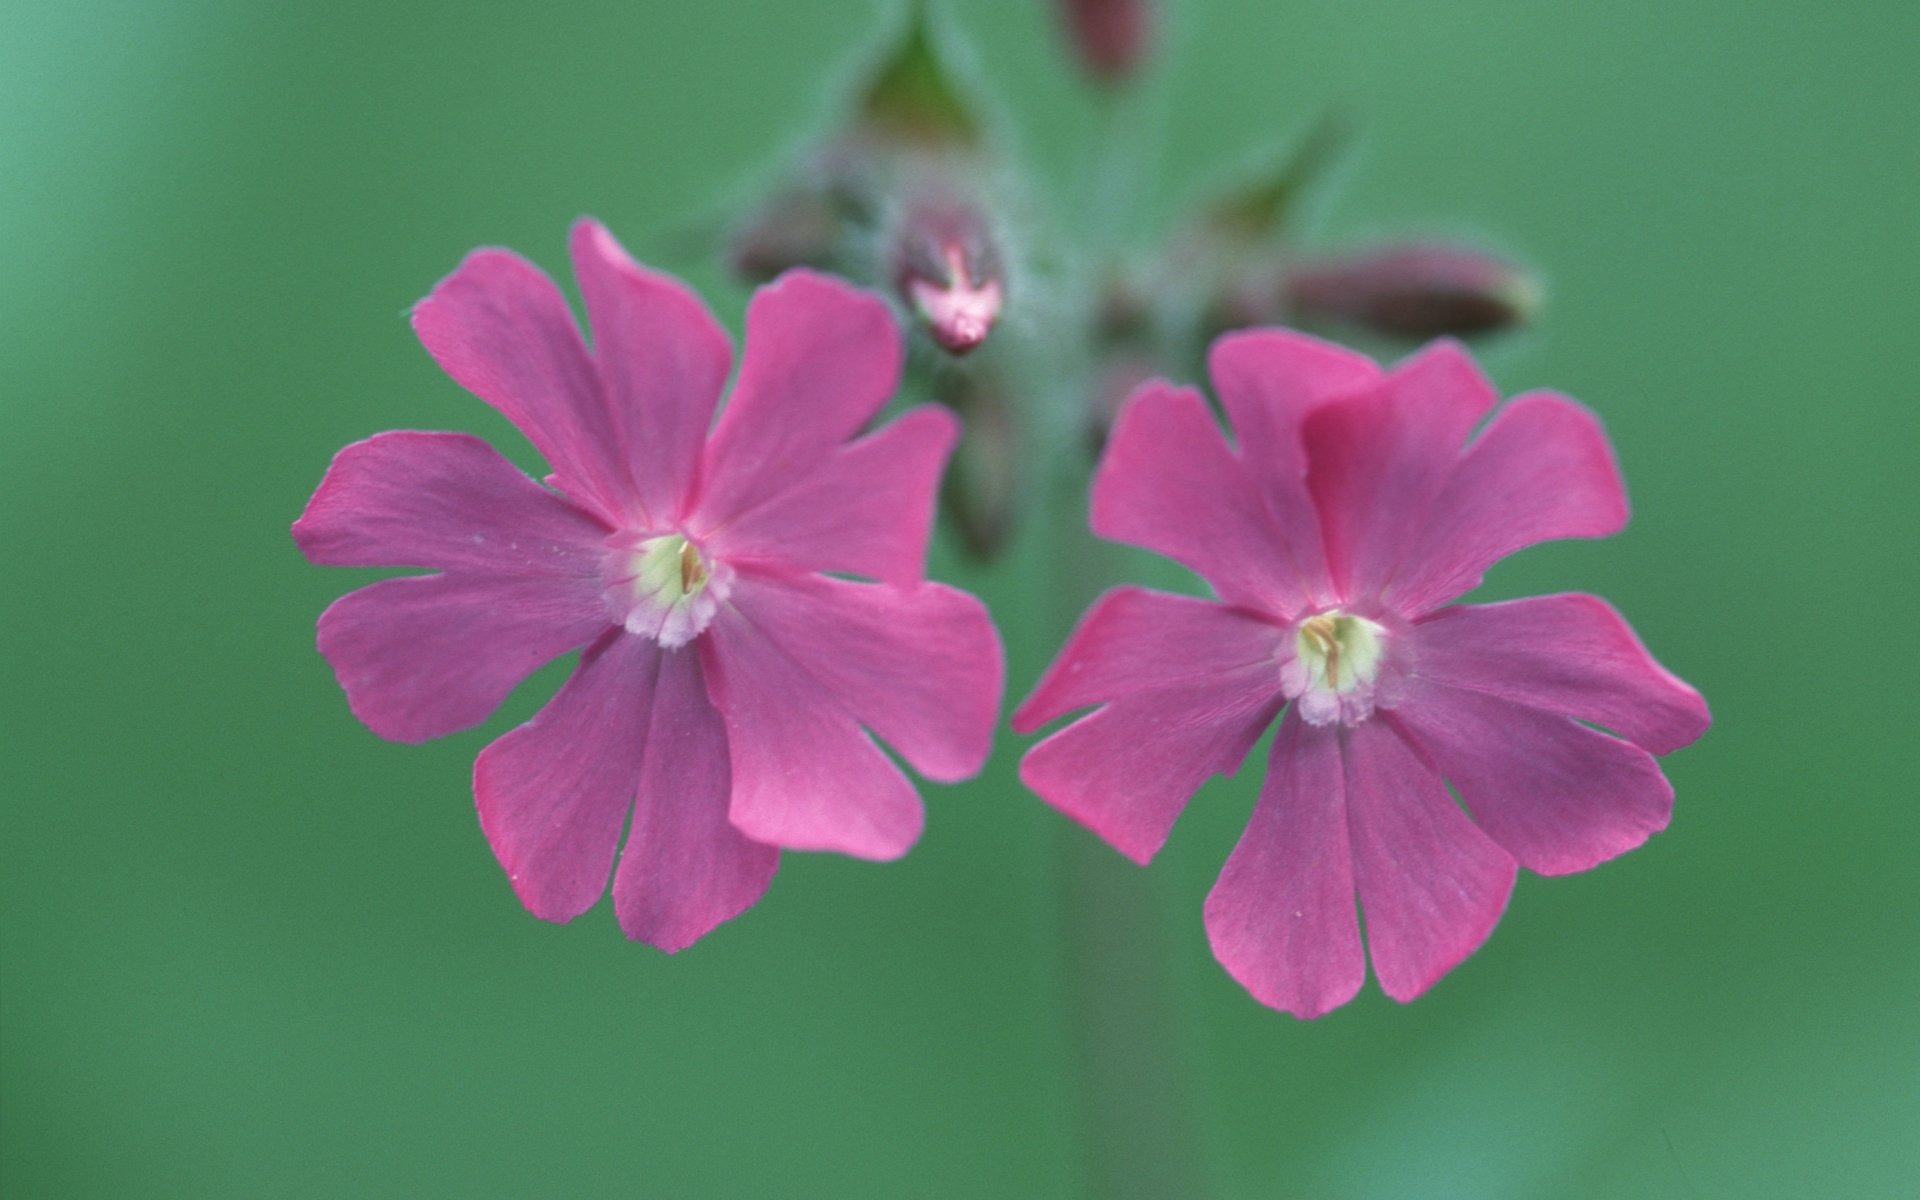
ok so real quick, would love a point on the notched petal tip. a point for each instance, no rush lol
(1592, 463)
(1446, 364)
(802, 301)
(482, 268)
(1130, 445)
(1038, 775)
(1277, 349)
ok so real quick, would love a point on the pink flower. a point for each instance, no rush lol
(1334, 536)
(725, 677)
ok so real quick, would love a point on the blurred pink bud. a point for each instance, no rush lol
(1418, 290)
(796, 228)
(982, 493)
(1112, 37)
(947, 271)
(1117, 378)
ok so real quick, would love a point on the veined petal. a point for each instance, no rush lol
(1541, 470)
(821, 359)
(502, 329)
(425, 655)
(1169, 482)
(685, 868)
(1134, 640)
(1127, 770)
(1572, 654)
(1556, 795)
(1431, 883)
(446, 500)
(1281, 917)
(1379, 460)
(919, 665)
(1269, 381)
(867, 509)
(805, 775)
(553, 793)
(662, 359)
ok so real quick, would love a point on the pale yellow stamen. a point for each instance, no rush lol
(667, 589)
(1337, 658)
(693, 572)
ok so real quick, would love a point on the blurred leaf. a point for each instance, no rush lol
(913, 96)
(1265, 205)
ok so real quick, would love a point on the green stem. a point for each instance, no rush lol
(1121, 1006)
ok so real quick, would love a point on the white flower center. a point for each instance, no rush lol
(665, 589)
(1336, 661)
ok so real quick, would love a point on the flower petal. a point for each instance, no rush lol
(1379, 460)
(423, 656)
(920, 665)
(1571, 654)
(685, 868)
(1281, 917)
(1269, 380)
(553, 793)
(1134, 640)
(1127, 770)
(868, 509)
(662, 360)
(1541, 470)
(1169, 482)
(1432, 884)
(821, 359)
(446, 500)
(805, 776)
(1556, 795)
(502, 329)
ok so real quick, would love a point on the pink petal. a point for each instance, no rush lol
(685, 868)
(805, 776)
(1188, 687)
(1169, 482)
(553, 793)
(821, 359)
(423, 656)
(1432, 884)
(1269, 380)
(501, 328)
(919, 665)
(663, 360)
(1380, 460)
(1134, 640)
(1571, 654)
(868, 508)
(1281, 917)
(1541, 470)
(1556, 795)
(444, 500)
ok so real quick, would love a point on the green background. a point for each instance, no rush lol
(250, 950)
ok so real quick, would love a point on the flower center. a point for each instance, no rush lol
(1336, 661)
(665, 589)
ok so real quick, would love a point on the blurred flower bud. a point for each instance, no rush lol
(1254, 293)
(1418, 290)
(1111, 37)
(1123, 349)
(981, 492)
(800, 227)
(1115, 378)
(947, 271)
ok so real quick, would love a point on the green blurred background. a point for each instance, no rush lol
(250, 950)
